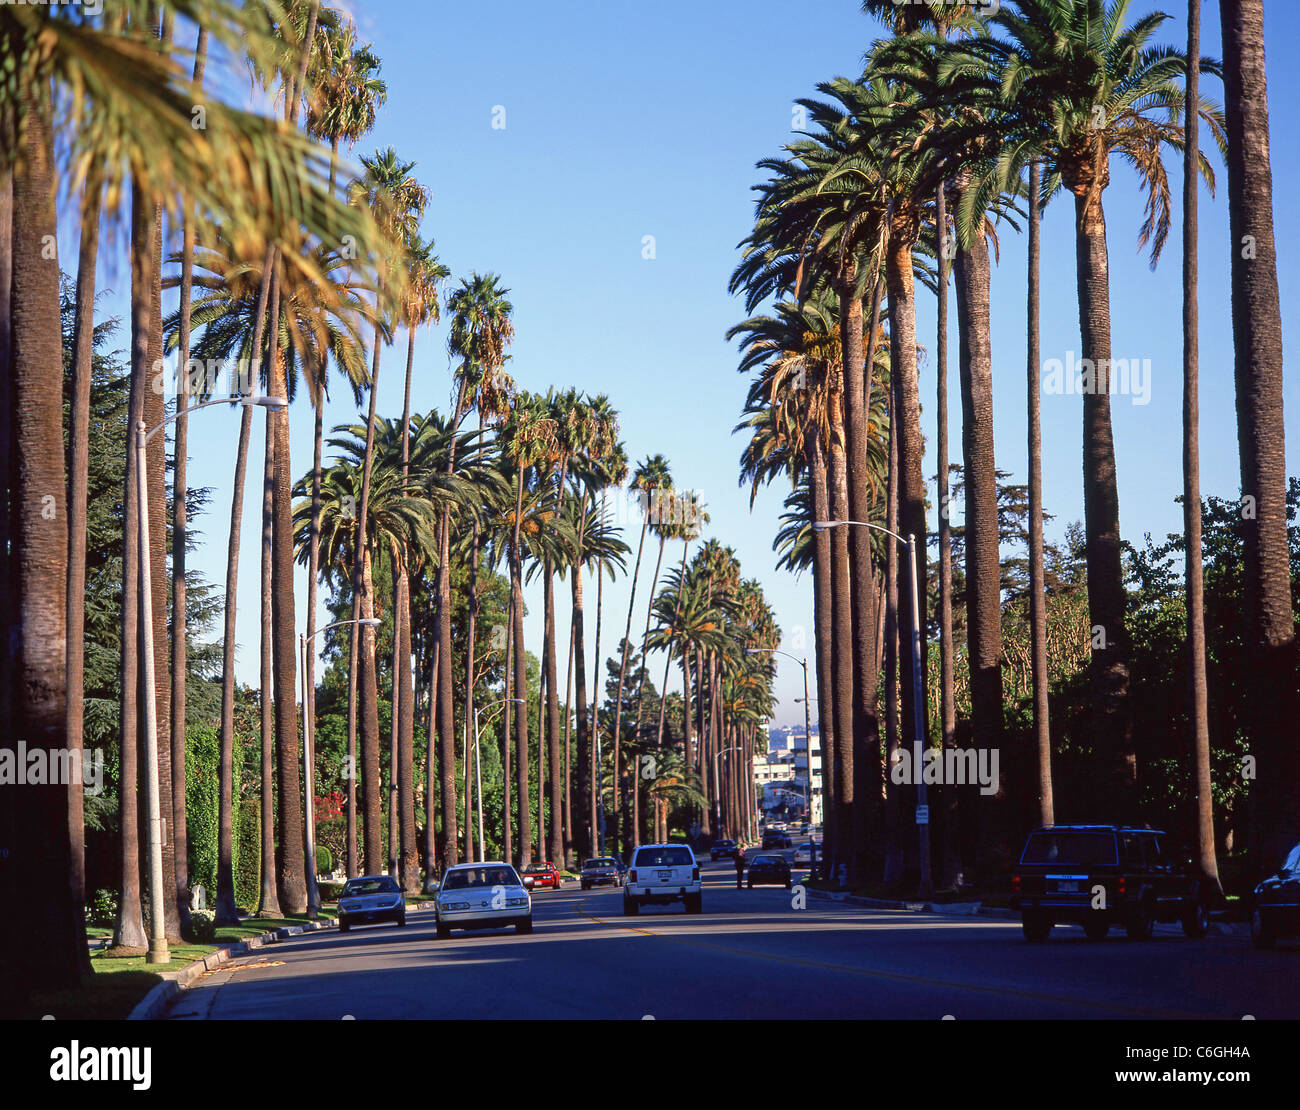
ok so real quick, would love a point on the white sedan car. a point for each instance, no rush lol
(483, 896)
(803, 854)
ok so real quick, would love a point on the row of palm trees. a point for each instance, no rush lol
(283, 270)
(964, 119)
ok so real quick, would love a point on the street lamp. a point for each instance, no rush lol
(918, 695)
(309, 762)
(478, 773)
(158, 952)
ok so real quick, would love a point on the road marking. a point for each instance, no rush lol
(894, 976)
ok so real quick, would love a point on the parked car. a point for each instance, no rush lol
(662, 873)
(1275, 908)
(775, 838)
(368, 899)
(723, 849)
(598, 872)
(543, 874)
(768, 869)
(483, 896)
(1103, 875)
(803, 854)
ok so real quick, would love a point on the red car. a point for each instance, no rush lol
(543, 874)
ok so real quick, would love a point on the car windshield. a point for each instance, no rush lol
(664, 857)
(536, 868)
(1070, 847)
(381, 885)
(464, 877)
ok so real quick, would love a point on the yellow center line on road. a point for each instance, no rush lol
(894, 976)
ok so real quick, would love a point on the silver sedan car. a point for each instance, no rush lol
(483, 896)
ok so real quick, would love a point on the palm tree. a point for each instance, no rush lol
(388, 189)
(1077, 84)
(481, 331)
(1257, 342)
(345, 90)
(650, 477)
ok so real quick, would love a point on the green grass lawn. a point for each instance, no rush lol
(118, 983)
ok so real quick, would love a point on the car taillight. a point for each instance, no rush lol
(632, 876)
(1015, 884)
(695, 873)
(1121, 886)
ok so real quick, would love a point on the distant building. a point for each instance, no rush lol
(784, 774)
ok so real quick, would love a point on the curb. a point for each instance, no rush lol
(161, 996)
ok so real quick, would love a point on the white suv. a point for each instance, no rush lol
(662, 873)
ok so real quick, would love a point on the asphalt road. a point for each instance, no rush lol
(750, 954)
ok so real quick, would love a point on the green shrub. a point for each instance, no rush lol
(329, 891)
(201, 803)
(324, 860)
(205, 925)
(102, 909)
(248, 853)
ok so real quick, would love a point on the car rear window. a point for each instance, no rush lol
(1070, 847)
(599, 863)
(664, 857)
(383, 885)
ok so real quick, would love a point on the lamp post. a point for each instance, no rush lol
(918, 696)
(158, 951)
(717, 780)
(309, 762)
(478, 774)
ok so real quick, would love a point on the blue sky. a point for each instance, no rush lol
(627, 121)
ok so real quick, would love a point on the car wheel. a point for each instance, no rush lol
(344, 926)
(749, 884)
(444, 931)
(1263, 933)
(1196, 918)
(630, 907)
(1141, 921)
(695, 903)
(1096, 928)
(401, 922)
(789, 883)
(1036, 927)
(525, 926)
(584, 886)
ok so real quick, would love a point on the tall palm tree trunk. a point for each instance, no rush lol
(911, 449)
(225, 906)
(983, 565)
(865, 750)
(1199, 702)
(588, 771)
(372, 800)
(622, 670)
(83, 332)
(180, 538)
(893, 790)
(1037, 588)
(269, 900)
(1112, 720)
(949, 865)
(555, 842)
(1261, 433)
(524, 823)
(35, 818)
(822, 630)
(842, 658)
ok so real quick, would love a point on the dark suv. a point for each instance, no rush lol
(723, 849)
(1275, 911)
(775, 838)
(1103, 875)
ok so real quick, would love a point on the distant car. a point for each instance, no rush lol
(723, 849)
(1103, 875)
(368, 899)
(775, 838)
(1275, 908)
(804, 828)
(598, 872)
(483, 896)
(803, 854)
(768, 869)
(543, 874)
(662, 873)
